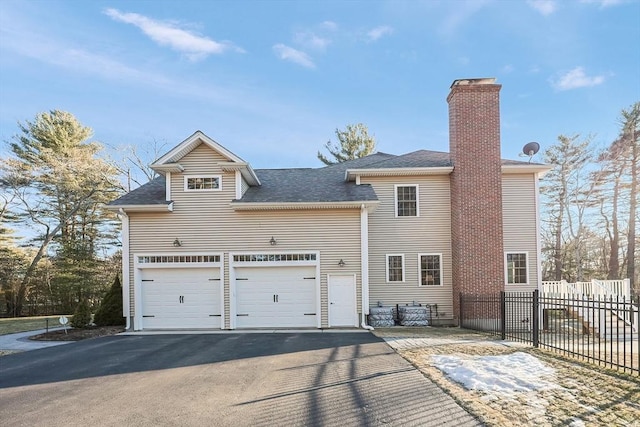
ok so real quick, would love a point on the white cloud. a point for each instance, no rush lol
(311, 40)
(507, 69)
(459, 13)
(193, 46)
(329, 25)
(576, 78)
(378, 32)
(604, 3)
(296, 56)
(545, 7)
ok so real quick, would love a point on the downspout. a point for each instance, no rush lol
(364, 265)
(126, 309)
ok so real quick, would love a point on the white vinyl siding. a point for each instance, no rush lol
(207, 223)
(519, 222)
(429, 233)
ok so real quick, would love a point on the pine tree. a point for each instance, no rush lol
(353, 142)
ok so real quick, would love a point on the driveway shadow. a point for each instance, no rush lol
(127, 354)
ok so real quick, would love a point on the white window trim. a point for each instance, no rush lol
(395, 199)
(186, 179)
(420, 270)
(386, 267)
(506, 267)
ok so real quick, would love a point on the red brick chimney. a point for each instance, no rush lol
(476, 189)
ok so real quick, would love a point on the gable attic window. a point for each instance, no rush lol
(202, 183)
(406, 200)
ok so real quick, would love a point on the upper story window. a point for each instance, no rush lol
(395, 268)
(203, 183)
(430, 269)
(517, 271)
(407, 200)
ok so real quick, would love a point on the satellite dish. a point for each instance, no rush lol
(530, 149)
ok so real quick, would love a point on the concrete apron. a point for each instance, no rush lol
(243, 331)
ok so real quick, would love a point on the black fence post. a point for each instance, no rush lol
(503, 315)
(536, 318)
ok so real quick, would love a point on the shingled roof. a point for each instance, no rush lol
(151, 193)
(309, 185)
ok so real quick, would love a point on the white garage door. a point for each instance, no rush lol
(276, 297)
(179, 298)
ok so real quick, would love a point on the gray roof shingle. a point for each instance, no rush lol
(151, 193)
(326, 184)
(305, 185)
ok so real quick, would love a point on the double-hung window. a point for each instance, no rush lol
(406, 200)
(430, 266)
(395, 268)
(516, 265)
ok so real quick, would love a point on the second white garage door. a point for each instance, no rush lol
(276, 297)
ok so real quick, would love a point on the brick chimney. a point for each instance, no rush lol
(476, 189)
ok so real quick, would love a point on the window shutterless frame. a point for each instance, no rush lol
(395, 268)
(516, 266)
(202, 183)
(432, 267)
(406, 200)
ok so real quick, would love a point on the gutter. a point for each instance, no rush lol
(126, 309)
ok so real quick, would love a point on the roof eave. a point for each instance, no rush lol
(350, 174)
(263, 206)
(245, 169)
(168, 207)
(167, 167)
(526, 168)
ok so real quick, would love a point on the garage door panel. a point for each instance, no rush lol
(163, 307)
(276, 297)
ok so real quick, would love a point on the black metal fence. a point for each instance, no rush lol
(602, 330)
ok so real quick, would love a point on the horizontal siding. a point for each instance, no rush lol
(519, 213)
(243, 186)
(428, 233)
(205, 222)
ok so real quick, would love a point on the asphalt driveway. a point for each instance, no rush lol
(222, 380)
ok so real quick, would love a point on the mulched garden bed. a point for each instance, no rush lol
(73, 334)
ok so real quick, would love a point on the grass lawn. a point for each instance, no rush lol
(23, 324)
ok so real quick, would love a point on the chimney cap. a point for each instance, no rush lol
(478, 81)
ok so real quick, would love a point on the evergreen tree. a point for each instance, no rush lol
(353, 142)
(110, 311)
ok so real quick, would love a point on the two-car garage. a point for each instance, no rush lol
(272, 290)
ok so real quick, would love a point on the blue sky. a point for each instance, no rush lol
(272, 80)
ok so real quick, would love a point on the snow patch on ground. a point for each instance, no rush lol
(504, 374)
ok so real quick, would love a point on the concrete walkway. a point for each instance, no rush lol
(21, 342)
